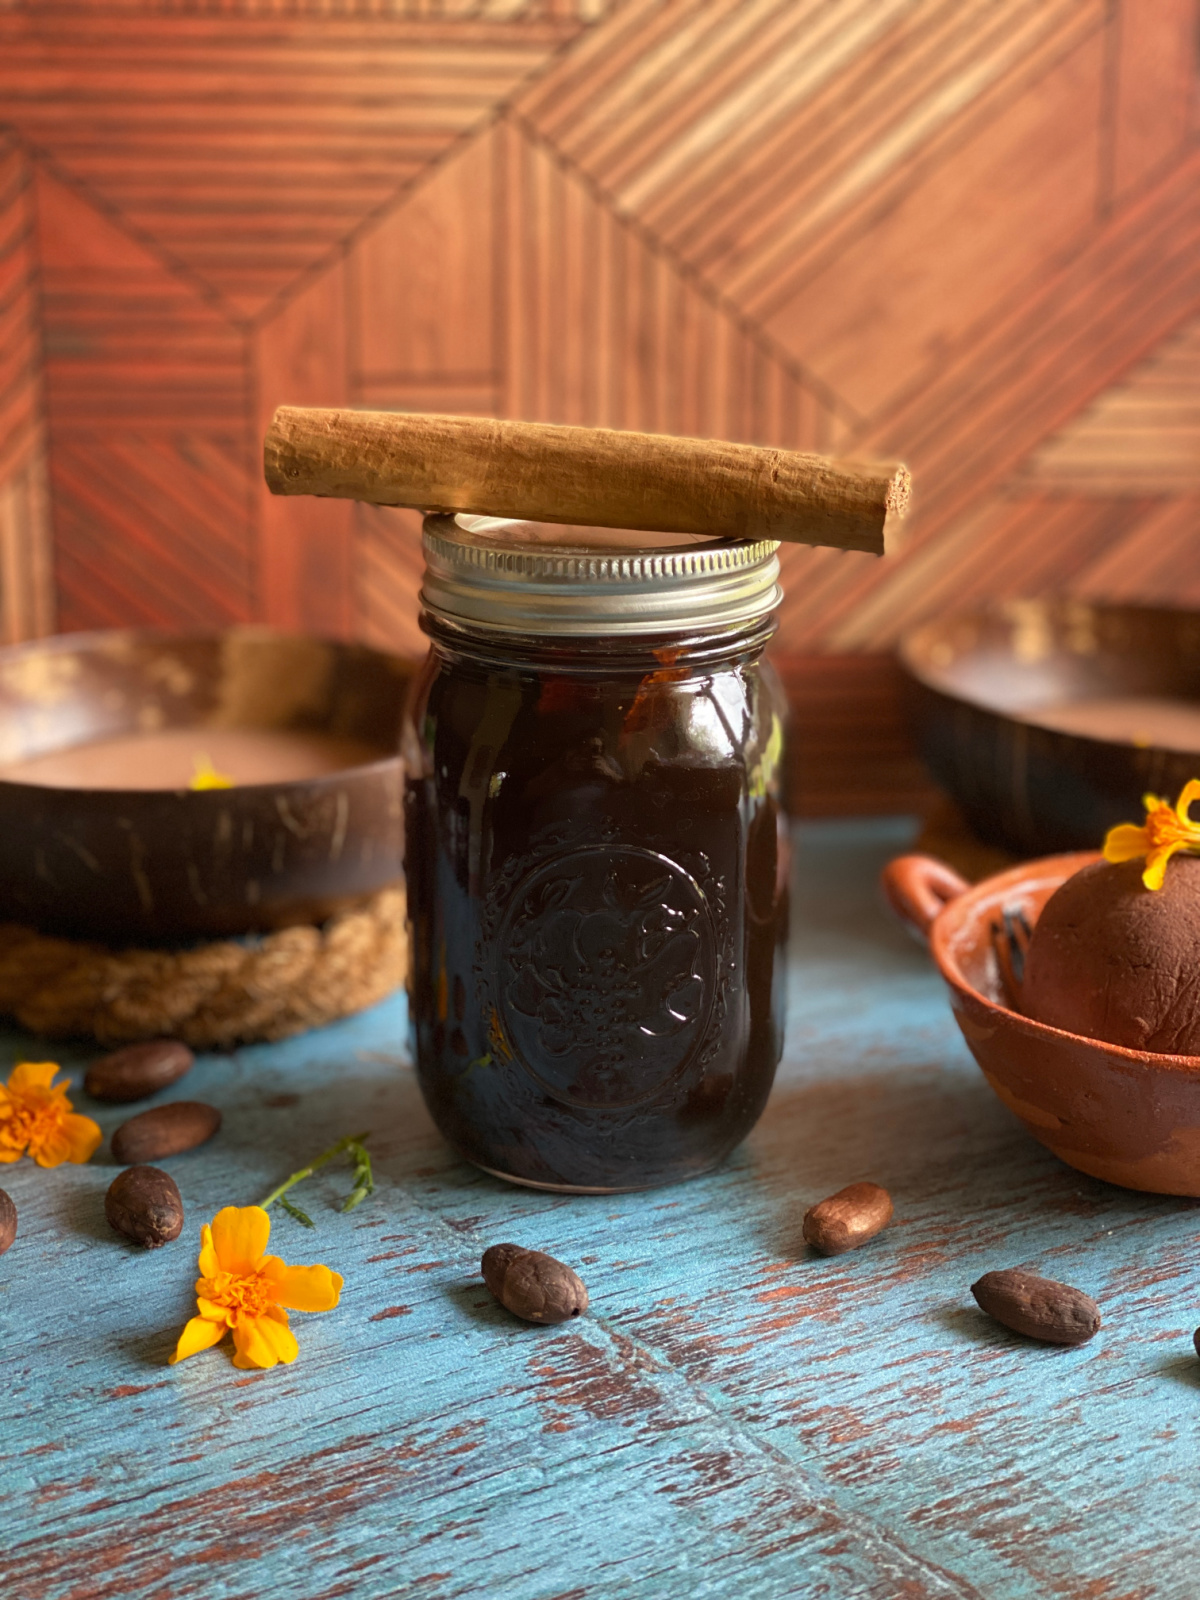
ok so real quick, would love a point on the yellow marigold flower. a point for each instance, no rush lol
(243, 1289)
(206, 776)
(36, 1118)
(1167, 828)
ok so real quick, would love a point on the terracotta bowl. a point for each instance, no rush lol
(1127, 1116)
(174, 866)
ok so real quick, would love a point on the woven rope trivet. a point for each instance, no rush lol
(212, 996)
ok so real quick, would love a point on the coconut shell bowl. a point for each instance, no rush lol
(1047, 720)
(133, 865)
(1127, 1116)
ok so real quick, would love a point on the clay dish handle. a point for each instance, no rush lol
(917, 888)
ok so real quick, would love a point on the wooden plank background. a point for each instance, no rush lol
(964, 231)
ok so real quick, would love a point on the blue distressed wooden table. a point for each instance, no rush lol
(734, 1417)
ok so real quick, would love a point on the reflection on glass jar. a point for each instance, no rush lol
(596, 855)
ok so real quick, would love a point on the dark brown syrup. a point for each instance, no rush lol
(597, 885)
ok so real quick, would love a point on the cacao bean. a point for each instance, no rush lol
(145, 1205)
(533, 1285)
(138, 1070)
(8, 1221)
(1040, 1308)
(848, 1218)
(165, 1131)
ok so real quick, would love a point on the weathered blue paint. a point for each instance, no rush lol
(734, 1418)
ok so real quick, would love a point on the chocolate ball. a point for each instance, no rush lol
(1116, 961)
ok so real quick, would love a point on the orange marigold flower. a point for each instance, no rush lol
(243, 1289)
(1167, 828)
(36, 1118)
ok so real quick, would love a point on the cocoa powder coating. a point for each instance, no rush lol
(145, 1205)
(165, 1131)
(533, 1285)
(1040, 1308)
(138, 1070)
(8, 1221)
(1113, 960)
(848, 1218)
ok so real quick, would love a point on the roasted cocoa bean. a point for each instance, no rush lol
(1040, 1308)
(138, 1070)
(145, 1205)
(8, 1221)
(533, 1285)
(165, 1131)
(848, 1218)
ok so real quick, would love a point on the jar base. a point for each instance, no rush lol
(581, 1188)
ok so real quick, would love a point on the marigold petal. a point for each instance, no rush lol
(33, 1075)
(199, 1334)
(52, 1149)
(208, 1263)
(1125, 843)
(239, 1236)
(1156, 867)
(83, 1136)
(1189, 793)
(262, 1342)
(213, 1311)
(10, 1149)
(303, 1288)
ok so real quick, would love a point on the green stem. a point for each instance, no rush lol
(317, 1161)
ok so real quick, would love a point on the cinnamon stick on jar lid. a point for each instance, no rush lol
(541, 472)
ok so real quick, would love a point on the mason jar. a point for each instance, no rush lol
(595, 850)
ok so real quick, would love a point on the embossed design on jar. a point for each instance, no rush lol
(605, 971)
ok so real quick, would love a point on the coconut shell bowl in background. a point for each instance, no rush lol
(175, 865)
(1047, 720)
(1127, 1116)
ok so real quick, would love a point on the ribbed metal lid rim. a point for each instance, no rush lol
(546, 560)
(553, 589)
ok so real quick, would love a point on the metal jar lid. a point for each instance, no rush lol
(502, 576)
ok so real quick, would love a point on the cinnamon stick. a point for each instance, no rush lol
(589, 476)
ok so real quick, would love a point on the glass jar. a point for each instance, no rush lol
(595, 850)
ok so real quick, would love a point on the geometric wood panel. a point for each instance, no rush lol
(422, 289)
(148, 398)
(247, 147)
(968, 432)
(1140, 437)
(877, 320)
(506, 286)
(600, 326)
(1153, 111)
(146, 527)
(849, 745)
(1016, 544)
(1156, 563)
(764, 144)
(27, 592)
(127, 340)
(26, 577)
(552, 309)
(388, 573)
(965, 234)
(305, 545)
(20, 357)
